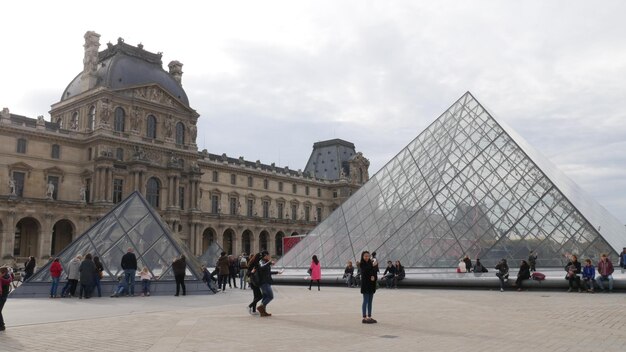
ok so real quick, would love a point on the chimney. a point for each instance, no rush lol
(90, 61)
(176, 70)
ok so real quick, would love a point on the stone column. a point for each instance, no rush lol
(255, 243)
(271, 245)
(175, 191)
(45, 237)
(8, 242)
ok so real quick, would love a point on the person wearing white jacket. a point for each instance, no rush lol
(73, 274)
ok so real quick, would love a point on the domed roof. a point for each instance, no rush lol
(122, 66)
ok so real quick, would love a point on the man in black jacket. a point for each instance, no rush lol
(129, 265)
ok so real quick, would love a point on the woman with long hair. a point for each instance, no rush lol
(368, 286)
(315, 270)
(253, 265)
(100, 270)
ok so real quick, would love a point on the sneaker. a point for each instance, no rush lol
(148, 294)
(501, 290)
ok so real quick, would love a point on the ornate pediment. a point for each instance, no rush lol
(53, 171)
(20, 166)
(155, 94)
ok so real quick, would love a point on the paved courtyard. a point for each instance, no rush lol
(409, 319)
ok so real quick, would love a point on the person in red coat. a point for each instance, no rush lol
(315, 270)
(5, 285)
(55, 272)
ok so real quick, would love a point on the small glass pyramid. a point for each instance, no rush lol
(131, 224)
(467, 185)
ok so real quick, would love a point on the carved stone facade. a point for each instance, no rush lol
(105, 140)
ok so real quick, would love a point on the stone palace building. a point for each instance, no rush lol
(125, 124)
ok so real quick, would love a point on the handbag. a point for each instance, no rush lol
(309, 271)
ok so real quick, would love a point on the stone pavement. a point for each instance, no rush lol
(330, 320)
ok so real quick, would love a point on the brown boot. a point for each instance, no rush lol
(261, 310)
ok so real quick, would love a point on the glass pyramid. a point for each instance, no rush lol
(468, 184)
(211, 255)
(132, 223)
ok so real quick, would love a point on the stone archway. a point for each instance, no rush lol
(279, 243)
(228, 241)
(264, 238)
(62, 235)
(208, 237)
(246, 242)
(27, 232)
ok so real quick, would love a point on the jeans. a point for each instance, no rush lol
(588, 283)
(242, 279)
(3, 300)
(268, 294)
(145, 286)
(98, 285)
(367, 304)
(501, 277)
(129, 277)
(54, 287)
(608, 278)
(180, 282)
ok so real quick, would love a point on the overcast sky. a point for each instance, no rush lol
(270, 78)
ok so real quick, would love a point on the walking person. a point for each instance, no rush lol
(243, 269)
(55, 272)
(224, 271)
(532, 261)
(265, 282)
(233, 269)
(129, 265)
(522, 274)
(179, 266)
(29, 268)
(573, 269)
(503, 273)
(73, 274)
(368, 286)
(88, 274)
(315, 271)
(253, 279)
(100, 271)
(5, 286)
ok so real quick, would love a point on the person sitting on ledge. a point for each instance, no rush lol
(389, 274)
(522, 274)
(348, 274)
(400, 274)
(605, 272)
(468, 264)
(622, 259)
(479, 268)
(573, 270)
(503, 273)
(589, 274)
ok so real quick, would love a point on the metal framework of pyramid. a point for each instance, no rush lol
(132, 223)
(466, 185)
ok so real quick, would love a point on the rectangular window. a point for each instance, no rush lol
(89, 154)
(319, 192)
(318, 216)
(54, 181)
(294, 188)
(280, 186)
(250, 207)
(281, 209)
(294, 212)
(307, 190)
(21, 146)
(216, 176)
(88, 190)
(307, 213)
(181, 198)
(233, 179)
(215, 204)
(233, 206)
(266, 209)
(250, 181)
(56, 151)
(19, 178)
(118, 190)
(266, 184)
(334, 194)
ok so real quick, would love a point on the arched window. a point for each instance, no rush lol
(151, 130)
(60, 122)
(153, 188)
(120, 117)
(180, 133)
(91, 118)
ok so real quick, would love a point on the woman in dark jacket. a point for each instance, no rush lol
(88, 274)
(179, 266)
(29, 268)
(253, 267)
(573, 269)
(368, 286)
(99, 270)
(522, 274)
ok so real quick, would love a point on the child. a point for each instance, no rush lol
(145, 281)
(589, 275)
(121, 287)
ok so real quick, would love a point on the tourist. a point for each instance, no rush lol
(605, 273)
(88, 274)
(522, 274)
(55, 272)
(589, 274)
(253, 278)
(179, 266)
(5, 286)
(622, 259)
(223, 269)
(265, 282)
(29, 268)
(348, 274)
(243, 268)
(208, 278)
(233, 269)
(129, 265)
(99, 275)
(375, 263)
(532, 261)
(145, 277)
(122, 286)
(468, 264)
(315, 271)
(368, 286)
(573, 270)
(479, 268)
(73, 274)
(389, 274)
(400, 274)
(462, 267)
(503, 273)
